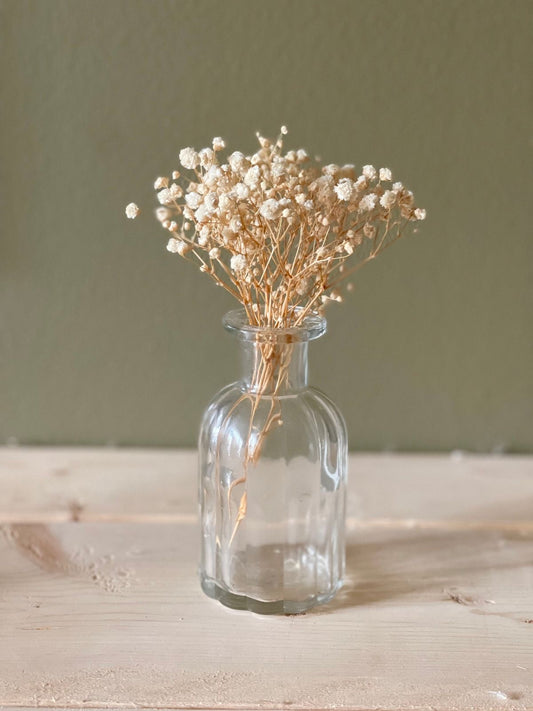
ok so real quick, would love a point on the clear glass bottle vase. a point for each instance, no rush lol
(272, 478)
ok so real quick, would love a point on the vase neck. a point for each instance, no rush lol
(274, 359)
(273, 368)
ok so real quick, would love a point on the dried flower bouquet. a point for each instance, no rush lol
(276, 230)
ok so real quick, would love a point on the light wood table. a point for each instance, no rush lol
(100, 605)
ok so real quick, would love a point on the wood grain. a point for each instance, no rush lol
(48, 484)
(100, 607)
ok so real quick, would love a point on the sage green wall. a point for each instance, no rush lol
(105, 337)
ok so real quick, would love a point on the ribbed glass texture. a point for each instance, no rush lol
(272, 479)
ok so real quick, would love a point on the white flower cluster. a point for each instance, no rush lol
(132, 211)
(275, 228)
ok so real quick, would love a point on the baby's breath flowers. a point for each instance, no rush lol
(132, 211)
(275, 229)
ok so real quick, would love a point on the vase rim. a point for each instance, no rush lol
(313, 326)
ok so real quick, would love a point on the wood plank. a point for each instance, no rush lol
(100, 606)
(111, 615)
(52, 485)
(48, 484)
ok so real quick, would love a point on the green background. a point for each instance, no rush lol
(107, 338)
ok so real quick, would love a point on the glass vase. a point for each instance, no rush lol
(272, 478)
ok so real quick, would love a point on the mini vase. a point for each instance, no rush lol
(272, 478)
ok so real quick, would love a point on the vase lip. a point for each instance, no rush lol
(312, 326)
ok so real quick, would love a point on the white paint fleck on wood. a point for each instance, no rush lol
(100, 606)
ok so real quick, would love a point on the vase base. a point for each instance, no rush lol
(262, 607)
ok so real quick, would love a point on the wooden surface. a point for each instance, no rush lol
(100, 606)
